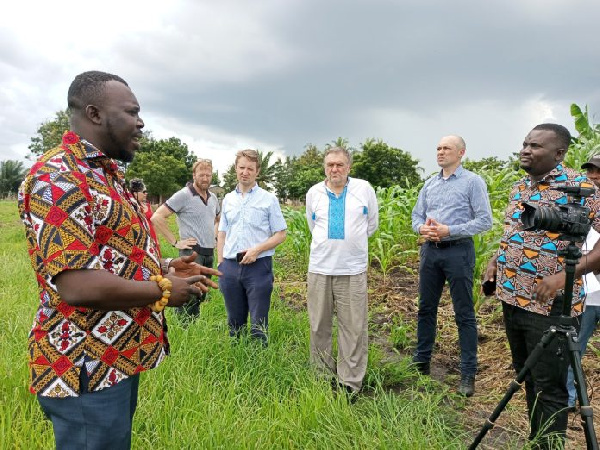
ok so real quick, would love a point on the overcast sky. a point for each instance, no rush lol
(224, 75)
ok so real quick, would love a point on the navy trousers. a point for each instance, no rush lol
(247, 290)
(94, 420)
(455, 264)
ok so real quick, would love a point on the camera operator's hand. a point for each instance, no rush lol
(488, 280)
(491, 269)
(548, 286)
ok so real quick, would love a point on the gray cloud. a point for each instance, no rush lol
(289, 73)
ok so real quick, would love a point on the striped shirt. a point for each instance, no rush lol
(250, 219)
(460, 201)
(195, 217)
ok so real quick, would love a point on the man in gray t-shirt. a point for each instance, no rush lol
(197, 210)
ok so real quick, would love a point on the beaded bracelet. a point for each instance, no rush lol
(165, 286)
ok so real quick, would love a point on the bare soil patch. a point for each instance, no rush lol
(393, 308)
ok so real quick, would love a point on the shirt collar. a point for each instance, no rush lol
(557, 171)
(458, 172)
(329, 190)
(252, 189)
(85, 150)
(192, 189)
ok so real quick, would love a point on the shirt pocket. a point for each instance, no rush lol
(231, 213)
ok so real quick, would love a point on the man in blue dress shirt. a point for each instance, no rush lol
(452, 207)
(250, 228)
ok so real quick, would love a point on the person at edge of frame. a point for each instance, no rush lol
(93, 256)
(140, 194)
(590, 318)
(529, 278)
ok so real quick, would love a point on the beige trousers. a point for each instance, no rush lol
(348, 293)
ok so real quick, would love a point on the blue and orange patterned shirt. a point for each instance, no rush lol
(78, 215)
(525, 257)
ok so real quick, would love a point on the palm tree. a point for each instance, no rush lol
(265, 178)
(267, 170)
(11, 175)
(339, 142)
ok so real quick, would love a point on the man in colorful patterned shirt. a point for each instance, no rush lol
(93, 256)
(529, 273)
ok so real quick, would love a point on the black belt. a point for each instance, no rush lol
(446, 244)
(203, 250)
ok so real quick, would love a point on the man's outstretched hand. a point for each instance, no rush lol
(185, 267)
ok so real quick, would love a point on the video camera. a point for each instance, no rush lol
(572, 219)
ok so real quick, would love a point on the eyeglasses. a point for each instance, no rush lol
(144, 192)
(204, 160)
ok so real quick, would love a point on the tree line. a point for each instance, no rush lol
(290, 178)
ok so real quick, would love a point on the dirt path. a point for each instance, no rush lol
(395, 299)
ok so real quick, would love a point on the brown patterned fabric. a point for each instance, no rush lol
(78, 215)
(525, 257)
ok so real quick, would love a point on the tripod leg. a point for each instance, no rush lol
(515, 385)
(586, 412)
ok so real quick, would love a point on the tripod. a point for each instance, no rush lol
(564, 331)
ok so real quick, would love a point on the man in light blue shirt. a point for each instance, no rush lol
(251, 226)
(452, 207)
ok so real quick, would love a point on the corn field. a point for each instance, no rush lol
(394, 245)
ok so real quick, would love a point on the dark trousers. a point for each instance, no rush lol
(191, 309)
(546, 383)
(455, 264)
(247, 290)
(94, 420)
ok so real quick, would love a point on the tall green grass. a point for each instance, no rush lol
(211, 393)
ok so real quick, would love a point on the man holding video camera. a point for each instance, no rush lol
(529, 272)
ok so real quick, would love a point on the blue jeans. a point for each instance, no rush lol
(455, 264)
(546, 382)
(94, 420)
(589, 320)
(247, 290)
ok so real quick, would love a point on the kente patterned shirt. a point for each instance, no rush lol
(525, 257)
(78, 215)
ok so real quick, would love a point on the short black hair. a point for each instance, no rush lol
(87, 88)
(563, 135)
(137, 185)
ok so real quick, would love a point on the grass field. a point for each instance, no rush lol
(212, 394)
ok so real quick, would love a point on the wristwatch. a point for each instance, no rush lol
(164, 265)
